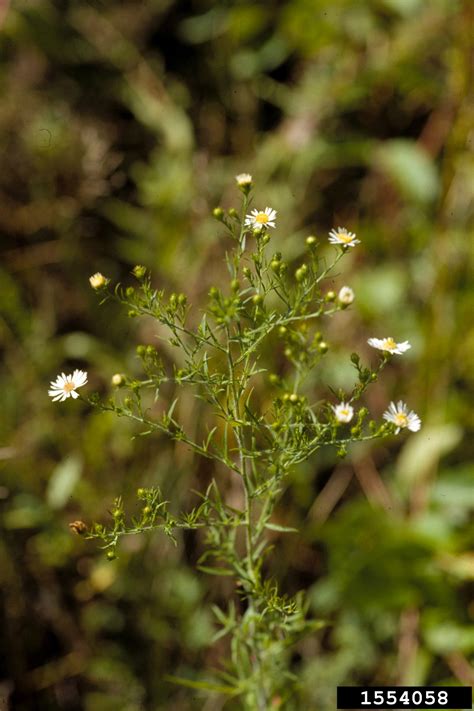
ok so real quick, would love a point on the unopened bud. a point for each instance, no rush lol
(98, 281)
(139, 271)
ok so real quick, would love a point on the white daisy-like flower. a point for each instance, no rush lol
(259, 219)
(388, 344)
(346, 296)
(66, 385)
(98, 280)
(244, 180)
(401, 417)
(342, 236)
(343, 412)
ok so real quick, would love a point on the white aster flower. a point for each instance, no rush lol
(342, 236)
(66, 385)
(399, 415)
(388, 344)
(98, 280)
(259, 219)
(343, 412)
(346, 296)
(244, 180)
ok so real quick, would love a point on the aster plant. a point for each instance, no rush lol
(222, 357)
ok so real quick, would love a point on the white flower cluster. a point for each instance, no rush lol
(259, 220)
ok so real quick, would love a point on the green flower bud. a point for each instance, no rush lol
(257, 299)
(294, 398)
(311, 241)
(246, 272)
(330, 296)
(141, 350)
(323, 347)
(111, 555)
(139, 271)
(218, 213)
(233, 212)
(235, 285)
(129, 291)
(282, 331)
(275, 265)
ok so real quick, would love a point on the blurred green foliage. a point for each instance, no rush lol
(121, 126)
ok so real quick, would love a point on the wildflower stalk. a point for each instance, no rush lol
(223, 356)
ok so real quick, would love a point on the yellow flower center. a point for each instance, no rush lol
(262, 218)
(344, 413)
(389, 343)
(401, 419)
(67, 387)
(345, 237)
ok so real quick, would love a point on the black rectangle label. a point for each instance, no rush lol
(404, 697)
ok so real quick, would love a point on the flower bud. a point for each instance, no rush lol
(244, 182)
(218, 213)
(311, 241)
(129, 292)
(233, 212)
(139, 271)
(346, 296)
(323, 347)
(257, 299)
(330, 296)
(78, 527)
(98, 281)
(118, 380)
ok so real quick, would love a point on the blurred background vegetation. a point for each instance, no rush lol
(122, 125)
